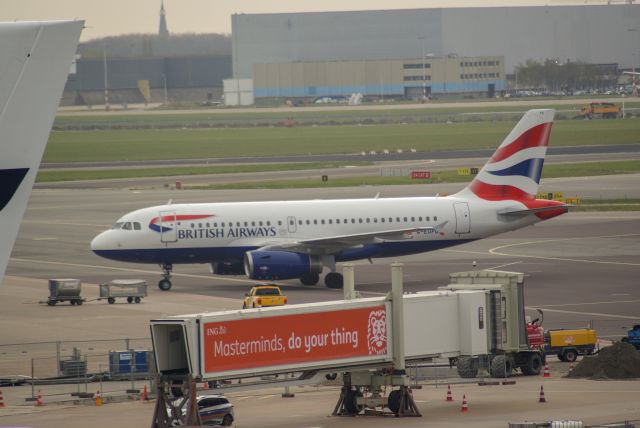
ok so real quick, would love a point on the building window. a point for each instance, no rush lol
(413, 78)
(416, 66)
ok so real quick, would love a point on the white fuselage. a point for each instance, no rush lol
(208, 233)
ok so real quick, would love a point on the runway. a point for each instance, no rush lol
(580, 267)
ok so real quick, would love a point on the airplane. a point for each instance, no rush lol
(280, 240)
(35, 58)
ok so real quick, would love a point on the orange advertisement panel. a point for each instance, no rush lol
(293, 339)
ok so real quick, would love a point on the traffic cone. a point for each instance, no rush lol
(145, 394)
(542, 399)
(546, 371)
(465, 407)
(1, 399)
(39, 401)
(98, 399)
(571, 367)
(449, 396)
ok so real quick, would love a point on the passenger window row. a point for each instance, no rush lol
(365, 220)
(309, 222)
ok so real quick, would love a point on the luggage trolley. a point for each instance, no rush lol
(65, 290)
(133, 289)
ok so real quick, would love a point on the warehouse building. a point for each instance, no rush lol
(314, 50)
(407, 78)
(189, 78)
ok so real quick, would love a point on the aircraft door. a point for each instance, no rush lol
(168, 226)
(291, 224)
(463, 217)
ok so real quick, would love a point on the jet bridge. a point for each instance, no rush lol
(368, 340)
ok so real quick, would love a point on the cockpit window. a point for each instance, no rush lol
(136, 226)
(127, 226)
(118, 225)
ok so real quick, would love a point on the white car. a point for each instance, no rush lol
(214, 410)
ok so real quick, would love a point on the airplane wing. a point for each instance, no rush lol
(339, 242)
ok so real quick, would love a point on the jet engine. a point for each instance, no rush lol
(280, 265)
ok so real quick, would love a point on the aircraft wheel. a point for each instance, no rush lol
(164, 285)
(334, 280)
(310, 279)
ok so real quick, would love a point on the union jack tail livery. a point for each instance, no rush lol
(513, 172)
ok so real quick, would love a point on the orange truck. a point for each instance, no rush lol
(600, 110)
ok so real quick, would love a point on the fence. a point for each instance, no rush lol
(43, 360)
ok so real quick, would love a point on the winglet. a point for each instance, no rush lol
(34, 62)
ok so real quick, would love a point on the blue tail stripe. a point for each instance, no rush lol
(531, 168)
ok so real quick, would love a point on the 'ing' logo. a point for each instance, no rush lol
(377, 332)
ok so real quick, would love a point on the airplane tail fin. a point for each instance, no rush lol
(35, 58)
(513, 172)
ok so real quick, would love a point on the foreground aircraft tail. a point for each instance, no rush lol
(35, 58)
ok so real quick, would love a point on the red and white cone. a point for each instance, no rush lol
(547, 373)
(39, 401)
(1, 399)
(571, 366)
(465, 406)
(542, 399)
(449, 396)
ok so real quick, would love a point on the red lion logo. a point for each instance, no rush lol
(377, 332)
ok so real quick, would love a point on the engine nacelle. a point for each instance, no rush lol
(280, 265)
(227, 268)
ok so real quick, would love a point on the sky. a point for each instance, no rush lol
(114, 17)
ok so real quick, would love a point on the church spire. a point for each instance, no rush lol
(164, 31)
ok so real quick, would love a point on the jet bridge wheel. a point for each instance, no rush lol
(164, 285)
(334, 280)
(351, 402)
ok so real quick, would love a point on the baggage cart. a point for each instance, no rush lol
(65, 290)
(131, 289)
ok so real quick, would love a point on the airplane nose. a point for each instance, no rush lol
(99, 243)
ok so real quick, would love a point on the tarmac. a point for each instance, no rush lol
(580, 268)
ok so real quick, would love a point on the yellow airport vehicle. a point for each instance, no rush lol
(600, 110)
(264, 295)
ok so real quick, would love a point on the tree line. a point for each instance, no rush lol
(554, 76)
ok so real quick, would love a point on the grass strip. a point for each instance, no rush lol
(153, 144)
(549, 171)
(49, 176)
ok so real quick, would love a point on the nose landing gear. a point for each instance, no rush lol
(165, 283)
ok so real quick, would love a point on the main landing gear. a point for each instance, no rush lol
(165, 283)
(334, 280)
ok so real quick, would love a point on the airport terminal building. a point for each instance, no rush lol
(374, 52)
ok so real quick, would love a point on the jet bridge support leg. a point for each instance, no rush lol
(363, 390)
(175, 394)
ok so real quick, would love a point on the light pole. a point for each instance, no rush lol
(106, 89)
(424, 72)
